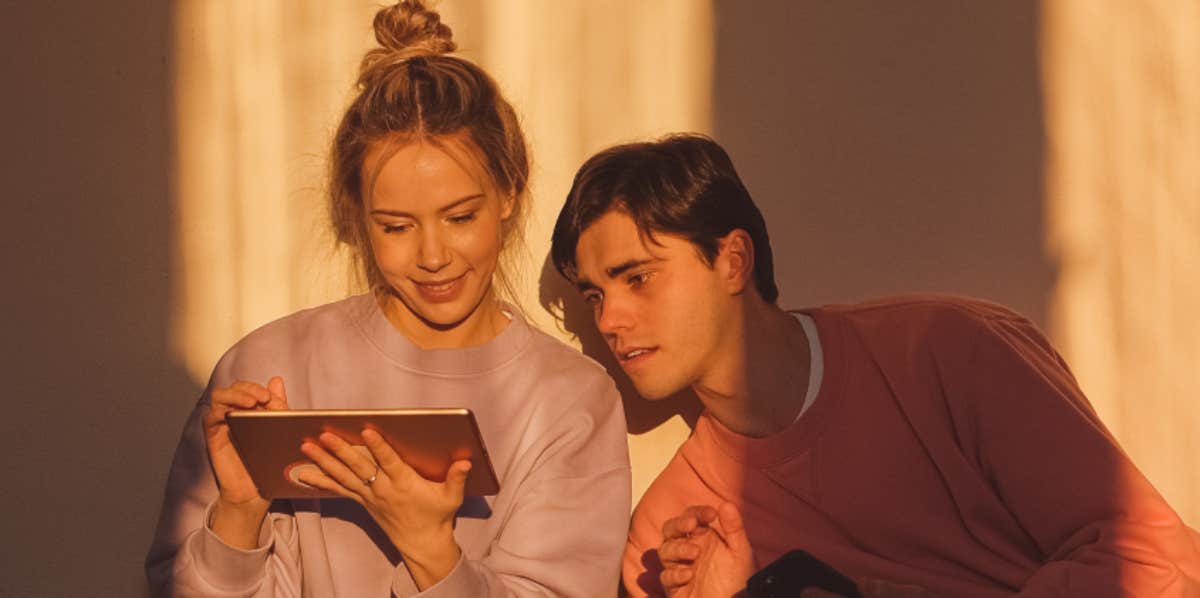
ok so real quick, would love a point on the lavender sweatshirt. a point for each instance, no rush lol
(552, 422)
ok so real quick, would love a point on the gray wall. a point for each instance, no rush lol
(893, 147)
(92, 403)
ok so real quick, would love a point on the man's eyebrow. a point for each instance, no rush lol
(584, 285)
(627, 265)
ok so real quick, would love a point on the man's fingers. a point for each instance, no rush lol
(731, 526)
(730, 518)
(688, 521)
(704, 514)
(673, 579)
(679, 527)
(678, 552)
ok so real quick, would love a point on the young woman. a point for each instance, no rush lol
(428, 186)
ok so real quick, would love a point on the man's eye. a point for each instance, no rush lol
(637, 280)
(592, 298)
(463, 218)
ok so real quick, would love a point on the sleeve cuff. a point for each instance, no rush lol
(463, 580)
(226, 566)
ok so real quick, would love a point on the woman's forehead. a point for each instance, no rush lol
(418, 175)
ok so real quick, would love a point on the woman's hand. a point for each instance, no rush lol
(417, 514)
(240, 510)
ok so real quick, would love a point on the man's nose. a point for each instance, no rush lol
(613, 315)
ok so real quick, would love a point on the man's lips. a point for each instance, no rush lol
(627, 355)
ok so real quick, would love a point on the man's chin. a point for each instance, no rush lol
(655, 392)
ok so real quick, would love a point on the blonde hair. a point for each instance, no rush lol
(411, 89)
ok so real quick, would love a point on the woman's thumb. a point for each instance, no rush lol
(456, 478)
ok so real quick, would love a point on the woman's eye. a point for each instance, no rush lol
(463, 218)
(591, 298)
(396, 228)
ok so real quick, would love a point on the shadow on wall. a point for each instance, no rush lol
(891, 149)
(563, 301)
(94, 403)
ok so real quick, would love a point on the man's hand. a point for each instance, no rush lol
(705, 553)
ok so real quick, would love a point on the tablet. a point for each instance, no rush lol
(427, 439)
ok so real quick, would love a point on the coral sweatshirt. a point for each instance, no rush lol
(948, 447)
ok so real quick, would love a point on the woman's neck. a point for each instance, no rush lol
(480, 326)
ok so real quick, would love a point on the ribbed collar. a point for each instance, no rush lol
(800, 435)
(469, 361)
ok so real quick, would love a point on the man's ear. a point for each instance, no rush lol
(735, 260)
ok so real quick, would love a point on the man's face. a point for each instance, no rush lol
(659, 306)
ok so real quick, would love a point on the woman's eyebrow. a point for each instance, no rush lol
(446, 208)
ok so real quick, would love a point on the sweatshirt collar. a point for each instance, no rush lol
(467, 361)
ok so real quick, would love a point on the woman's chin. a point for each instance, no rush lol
(441, 315)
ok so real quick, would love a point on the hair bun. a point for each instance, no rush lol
(408, 27)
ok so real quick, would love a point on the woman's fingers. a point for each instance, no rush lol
(340, 461)
(278, 394)
(387, 458)
(233, 398)
(456, 479)
(258, 391)
(324, 482)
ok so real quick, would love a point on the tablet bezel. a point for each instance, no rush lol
(428, 439)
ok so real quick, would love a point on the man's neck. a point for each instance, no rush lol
(755, 385)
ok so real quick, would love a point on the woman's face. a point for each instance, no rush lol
(436, 235)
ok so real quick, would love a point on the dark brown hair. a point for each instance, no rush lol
(411, 89)
(682, 184)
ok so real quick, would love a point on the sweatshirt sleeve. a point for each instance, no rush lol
(1102, 528)
(567, 533)
(187, 559)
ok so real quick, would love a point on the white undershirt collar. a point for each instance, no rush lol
(816, 369)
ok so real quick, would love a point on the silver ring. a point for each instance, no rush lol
(371, 480)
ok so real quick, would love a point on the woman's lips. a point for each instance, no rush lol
(441, 291)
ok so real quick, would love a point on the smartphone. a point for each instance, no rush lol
(795, 571)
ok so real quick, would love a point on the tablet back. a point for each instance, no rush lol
(429, 440)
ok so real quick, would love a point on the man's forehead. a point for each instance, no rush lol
(611, 238)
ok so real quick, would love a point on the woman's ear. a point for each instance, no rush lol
(507, 202)
(735, 258)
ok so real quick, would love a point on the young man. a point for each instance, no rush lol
(921, 445)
